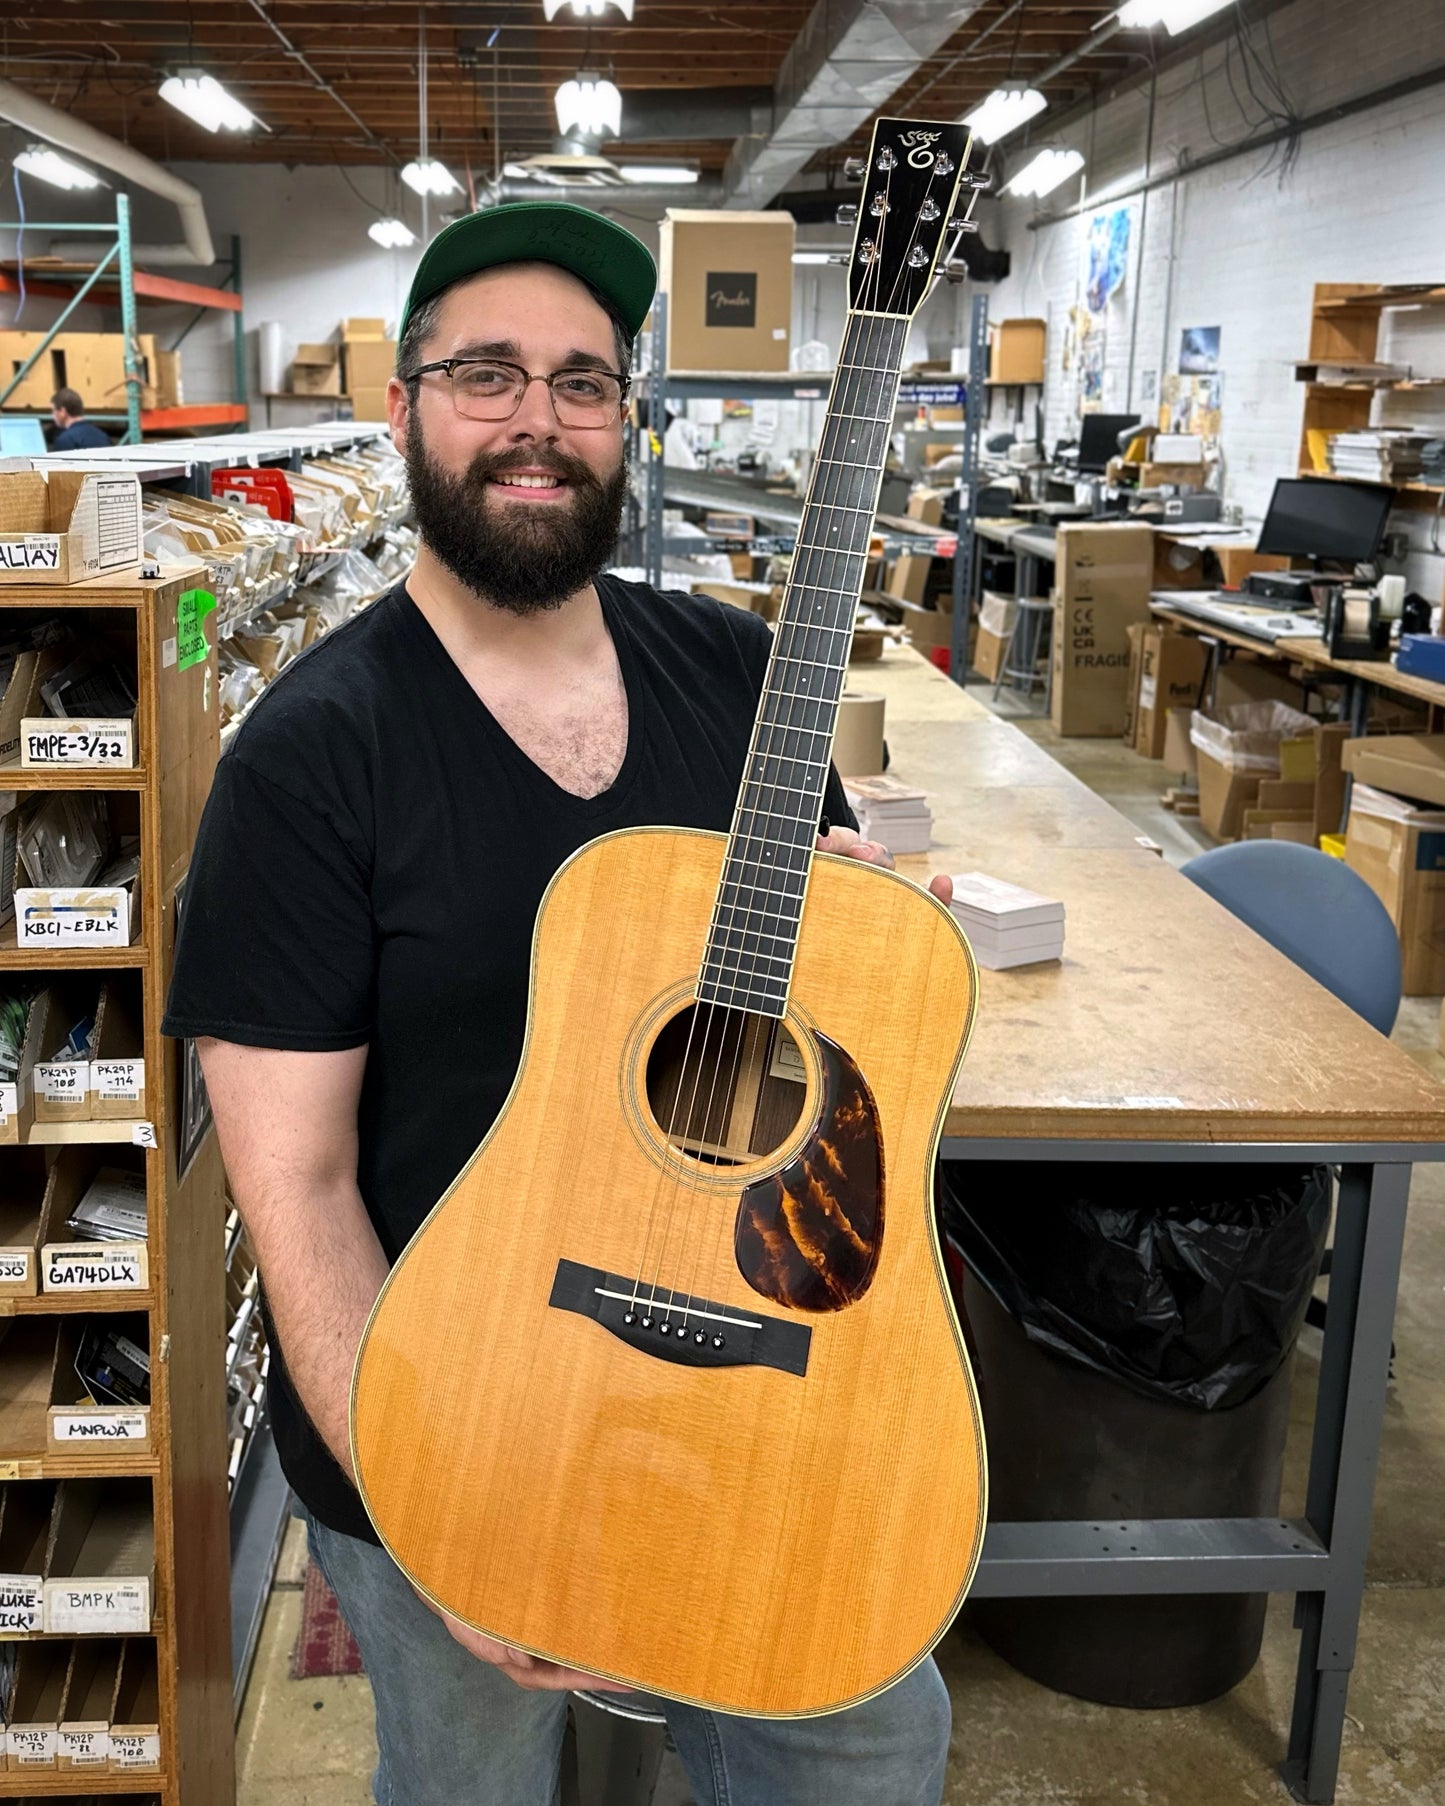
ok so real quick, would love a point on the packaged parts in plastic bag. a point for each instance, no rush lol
(1182, 1282)
(63, 839)
(1246, 737)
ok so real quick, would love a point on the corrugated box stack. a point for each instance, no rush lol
(1102, 585)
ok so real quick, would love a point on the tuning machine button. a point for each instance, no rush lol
(963, 225)
(841, 258)
(917, 258)
(847, 214)
(980, 184)
(854, 169)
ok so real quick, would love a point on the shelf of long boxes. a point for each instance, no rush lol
(279, 584)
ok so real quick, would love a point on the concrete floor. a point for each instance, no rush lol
(310, 1743)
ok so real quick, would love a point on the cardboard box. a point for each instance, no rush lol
(926, 505)
(1411, 765)
(1400, 853)
(1102, 584)
(16, 349)
(990, 650)
(316, 370)
(929, 627)
(95, 365)
(1179, 750)
(908, 576)
(169, 386)
(1172, 668)
(1186, 560)
(368, 404)
(1179, 476)
(1237, 749)
(1134, 633)
(363, 326)
(997, 612)
(367, 363)
(728, 278)
(1016, 351)
(64, 526)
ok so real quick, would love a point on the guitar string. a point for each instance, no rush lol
(752, 1021)
(701, 1240)
(714, 1008)
(797, 629)
(880, 342)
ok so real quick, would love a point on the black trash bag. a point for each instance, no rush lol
(1197, 1299)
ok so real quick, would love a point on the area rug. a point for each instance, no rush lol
(324, 1645)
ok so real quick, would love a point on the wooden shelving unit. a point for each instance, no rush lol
(1345, 323)
(184, 1305)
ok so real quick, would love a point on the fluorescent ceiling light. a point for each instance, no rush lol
(1174, 15)
(1005, 110)
(1044, 172)
(671, 173)
(390, 234)
(427, 176)
(202, 98)
(49, 166)
(820, 256)
(587, 9)
(589, 106)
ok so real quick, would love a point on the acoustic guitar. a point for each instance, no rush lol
(669, 1386)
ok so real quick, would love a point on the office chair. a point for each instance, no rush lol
(1325, 918)
(1317, 912)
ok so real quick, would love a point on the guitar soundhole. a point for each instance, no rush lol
(725, 1085)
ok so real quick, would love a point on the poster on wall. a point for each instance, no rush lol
(1199, 351)
(1108, 256)
(1190, 404)
(1091, 364)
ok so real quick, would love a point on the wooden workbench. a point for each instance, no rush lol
(1380, 672)
(1167, 1019)
(1170, 1032)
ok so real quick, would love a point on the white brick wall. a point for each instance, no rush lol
(1365, 202)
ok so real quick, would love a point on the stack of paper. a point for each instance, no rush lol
(891, 812)
(1007, 925)
(1383, 455)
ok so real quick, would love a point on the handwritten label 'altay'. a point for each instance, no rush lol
(95, 1267)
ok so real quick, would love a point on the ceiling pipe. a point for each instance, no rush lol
(42, 120)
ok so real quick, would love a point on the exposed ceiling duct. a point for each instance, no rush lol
(60, 129)
(849, 59)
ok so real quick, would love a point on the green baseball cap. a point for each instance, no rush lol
(606, 255)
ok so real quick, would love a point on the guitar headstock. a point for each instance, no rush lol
(910, 189)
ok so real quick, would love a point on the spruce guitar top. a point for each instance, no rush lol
(669, 1386)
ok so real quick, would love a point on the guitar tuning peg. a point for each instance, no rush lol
(842, 258)
(854, 169)
(963, 225)
(847, 214)
(953, 272)
(981, 184)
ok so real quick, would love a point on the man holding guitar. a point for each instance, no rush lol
(355, 953)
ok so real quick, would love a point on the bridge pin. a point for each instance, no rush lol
(700, 1336)
(647, 1323)
(717, 1342)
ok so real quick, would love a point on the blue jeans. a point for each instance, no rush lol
(453, 1731)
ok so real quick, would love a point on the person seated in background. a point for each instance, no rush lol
(73, 432)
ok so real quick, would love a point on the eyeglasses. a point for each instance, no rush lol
(483, 389)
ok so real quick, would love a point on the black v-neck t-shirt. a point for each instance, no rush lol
(368, 873)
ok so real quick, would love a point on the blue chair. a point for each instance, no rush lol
(1325, 918)
(1317, 912)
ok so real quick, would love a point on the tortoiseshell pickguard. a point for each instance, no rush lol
(808, 1236)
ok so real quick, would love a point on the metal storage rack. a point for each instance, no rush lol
(116, 280)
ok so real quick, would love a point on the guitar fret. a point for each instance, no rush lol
(877, 419)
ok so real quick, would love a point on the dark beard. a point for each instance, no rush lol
(521, 556)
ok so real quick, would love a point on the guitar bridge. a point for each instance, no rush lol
(692, 1332)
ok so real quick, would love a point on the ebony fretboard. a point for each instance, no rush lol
(753, 937)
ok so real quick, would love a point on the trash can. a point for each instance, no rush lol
(1133, 1360)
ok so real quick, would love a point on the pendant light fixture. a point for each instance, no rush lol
(202, 98)
(589, 106)
(425, 175)
(587, 9)
(391, 234)
(48, 165)
(1005, 110)
(1174, 15)
(1044, 172)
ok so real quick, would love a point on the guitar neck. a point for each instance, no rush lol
(753, 937)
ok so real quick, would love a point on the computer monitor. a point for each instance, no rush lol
(1336, 522)
(21, 439)
(1099, 438)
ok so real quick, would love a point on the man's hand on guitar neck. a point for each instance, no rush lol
(851, 845)
(529, 1672)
